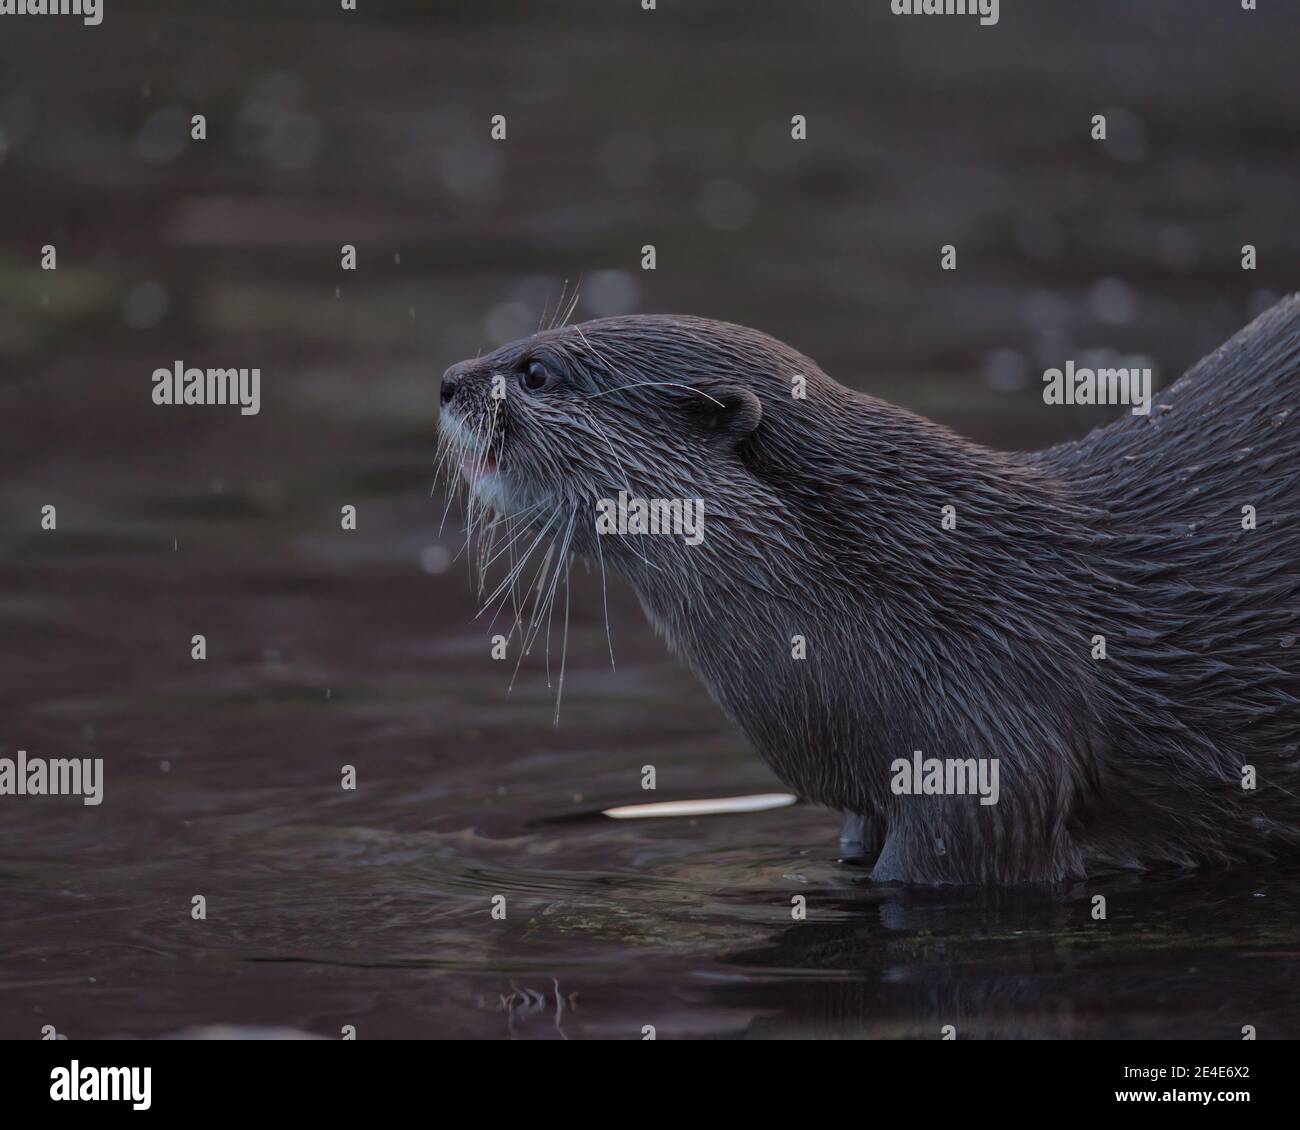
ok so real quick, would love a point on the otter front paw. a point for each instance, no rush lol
(859, 836)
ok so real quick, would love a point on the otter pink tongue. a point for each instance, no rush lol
(474, 469)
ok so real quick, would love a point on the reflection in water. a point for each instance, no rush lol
(1217, 952)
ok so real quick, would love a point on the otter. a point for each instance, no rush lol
(1113, 620)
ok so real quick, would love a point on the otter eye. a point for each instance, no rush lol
(535, 376)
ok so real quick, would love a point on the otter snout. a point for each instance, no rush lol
(453, 377)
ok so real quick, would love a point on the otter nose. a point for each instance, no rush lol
(450, 379)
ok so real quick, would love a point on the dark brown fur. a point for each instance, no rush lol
(823, 519)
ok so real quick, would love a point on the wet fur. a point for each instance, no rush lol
(823, 519)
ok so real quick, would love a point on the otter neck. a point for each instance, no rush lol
(813, 605)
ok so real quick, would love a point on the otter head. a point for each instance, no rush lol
(658, 408)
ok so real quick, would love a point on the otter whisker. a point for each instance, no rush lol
(564, 289)
(470, 447)
(442, 465)
(539, 579)
(513, 591)
(515, 535)
(573, 304)
(455, 446)
(523, 561)
(598, 355)
(487, 543)
(476, 455)
(439, 457)
(541, 604)
(453, 489)
(655, 384)
(564, 648)
(480, 447)
(545, 611)
(550, 604)
(514, 531)
(604, 600)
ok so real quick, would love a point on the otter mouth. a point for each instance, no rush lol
(472, 450)
(478, 468)
(531, 535)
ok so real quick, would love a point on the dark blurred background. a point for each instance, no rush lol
(327, 127)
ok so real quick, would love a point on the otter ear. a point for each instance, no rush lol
(727, 410)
